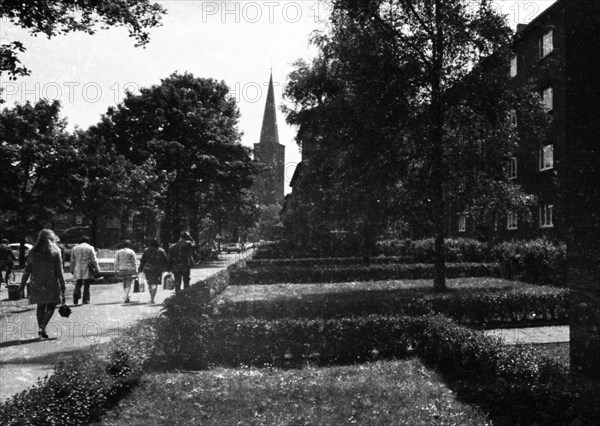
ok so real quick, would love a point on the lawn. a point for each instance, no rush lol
(373, 288)
(377, 393)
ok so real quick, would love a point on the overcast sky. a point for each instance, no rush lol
(234, 41)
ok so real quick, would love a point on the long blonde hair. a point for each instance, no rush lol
(46, 242)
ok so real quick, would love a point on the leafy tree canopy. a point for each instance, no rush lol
(54, 17)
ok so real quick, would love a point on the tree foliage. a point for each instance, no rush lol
(35, 154)
(55, 17)
(407, 109)
(187, 127)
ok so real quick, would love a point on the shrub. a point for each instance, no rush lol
(323, 261)
(348, 273)
(80, 389)
(537, 261)
(479, 308)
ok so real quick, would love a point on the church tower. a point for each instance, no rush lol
(268, 151)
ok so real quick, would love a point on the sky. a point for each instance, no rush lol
(239, 42)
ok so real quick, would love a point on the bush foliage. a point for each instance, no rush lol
(537, 261)
(348, 273)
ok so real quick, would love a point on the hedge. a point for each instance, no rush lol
(80, 389)
(514, 383)
(488, 309)
(324, 261)
(537, 261)
(348, 273)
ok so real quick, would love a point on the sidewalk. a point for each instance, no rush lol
(533, 335)
(24, 358)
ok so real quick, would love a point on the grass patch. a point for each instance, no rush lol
(378, 393)
(411, 288)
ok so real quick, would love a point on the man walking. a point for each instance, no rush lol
(181, 260)
(7, 260)
(83, 265)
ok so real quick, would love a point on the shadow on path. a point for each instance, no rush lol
(19, 342)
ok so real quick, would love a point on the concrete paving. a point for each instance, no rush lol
(24, 358)
(533, 335)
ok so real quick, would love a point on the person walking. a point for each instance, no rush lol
(7, 260)
(83, 266)
(181, 260)
(47, 284)
(126, 267)
(153, 264)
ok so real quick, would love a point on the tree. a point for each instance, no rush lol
(54, 17)
(348, 104)
(35, 151)
(188, 127)
(439, 109)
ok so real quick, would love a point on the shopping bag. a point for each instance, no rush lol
(168, 281)
(142, 280)
(136, 285)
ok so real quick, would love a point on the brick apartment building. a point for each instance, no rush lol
(557, 54)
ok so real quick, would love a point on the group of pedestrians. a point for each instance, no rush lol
(44, 271)
(154, 263)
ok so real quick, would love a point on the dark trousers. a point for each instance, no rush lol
(181, 276)
(43, 313)
(86, 291)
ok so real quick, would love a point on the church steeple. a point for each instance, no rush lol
(269, 152)
(268, 132)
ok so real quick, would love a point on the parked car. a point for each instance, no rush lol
(14, 247)
(232, 247)
(106, 264)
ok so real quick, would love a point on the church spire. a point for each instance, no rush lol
(268, 132)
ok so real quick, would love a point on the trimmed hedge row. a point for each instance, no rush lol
(487, 309)
(80, 389)
(291, 274)
(515, 384)
(324, 261)
(537, 261)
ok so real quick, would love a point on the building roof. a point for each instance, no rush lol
(268, 132)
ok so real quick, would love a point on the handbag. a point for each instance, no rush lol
(168, 281)
(136, 285)
(142, 282)
(64, 311)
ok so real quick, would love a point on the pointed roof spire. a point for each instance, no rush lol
(268, 132)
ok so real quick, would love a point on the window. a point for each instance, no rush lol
(513, 66)
(511, 168)
(546, 43)
(511, 220)
(546, 157)
(547, 97)
(546, 219)
(462, 222)
(512, 117)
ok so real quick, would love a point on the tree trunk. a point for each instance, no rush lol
(437, 175)
(94, 231)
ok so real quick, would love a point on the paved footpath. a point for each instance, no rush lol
(24, 358)
(533, 335)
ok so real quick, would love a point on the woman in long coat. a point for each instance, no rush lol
(153, 264)
(47, 284)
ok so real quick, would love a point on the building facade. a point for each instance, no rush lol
(556, 55)
(269, 186)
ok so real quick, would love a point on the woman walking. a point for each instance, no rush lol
(126, 267)
(153, 263)
(47, 284)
